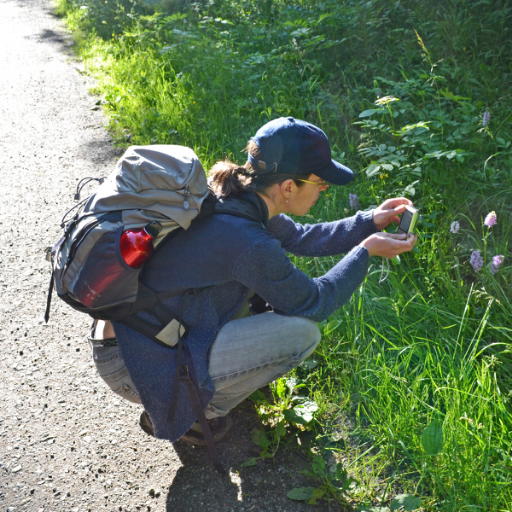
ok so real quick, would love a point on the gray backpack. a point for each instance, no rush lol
(163, 183)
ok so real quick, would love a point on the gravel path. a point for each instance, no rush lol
(66, 442)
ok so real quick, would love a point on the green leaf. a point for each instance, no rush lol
(318, 465)
(318, 494)
(373, 170)
(309, 364)
(258, 397)
(369, 112)
(432, 438)
(291, 383)
(302, 413)
(260, 439)
(281, 388)
(280, 429)
(450, 96)
(251, 461)
(301, 493)
(407, 501)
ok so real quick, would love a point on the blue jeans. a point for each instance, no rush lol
(247, 354)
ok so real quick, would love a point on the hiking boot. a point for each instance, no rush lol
(145, 424)
(219, 426)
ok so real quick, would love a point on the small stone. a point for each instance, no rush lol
(16, 469)
(152, 492)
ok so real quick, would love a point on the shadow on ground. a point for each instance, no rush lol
(260, 488)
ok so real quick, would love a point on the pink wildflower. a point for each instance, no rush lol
(476, 261)
(354, 201)
(496, 262)
(491, 219)
(455, 226)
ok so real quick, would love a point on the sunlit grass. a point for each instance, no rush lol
(430, 342)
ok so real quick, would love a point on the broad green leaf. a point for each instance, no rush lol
(318, 494)
(301, 493)
(302, 413)
(309, 364)
(407, 501)
(432, 438)
(369, 112)
(373, 170)
(291, 383)
(260, 439)
(251, 461)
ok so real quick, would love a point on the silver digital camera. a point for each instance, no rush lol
(408, 221)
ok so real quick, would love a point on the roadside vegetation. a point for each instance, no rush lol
(407, 402)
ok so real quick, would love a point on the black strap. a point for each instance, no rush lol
(199, 412)
(175, 383)
(49, 299)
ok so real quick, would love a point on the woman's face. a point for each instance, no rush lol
(301, 199)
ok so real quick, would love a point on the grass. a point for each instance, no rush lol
(401, 89)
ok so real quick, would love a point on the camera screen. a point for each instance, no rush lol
(405, 223)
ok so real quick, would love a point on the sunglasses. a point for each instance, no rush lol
(318, 183)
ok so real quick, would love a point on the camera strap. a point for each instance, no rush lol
(385, 263)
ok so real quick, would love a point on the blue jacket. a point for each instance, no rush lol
(222, 258)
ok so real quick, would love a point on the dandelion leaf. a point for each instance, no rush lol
(301, 493)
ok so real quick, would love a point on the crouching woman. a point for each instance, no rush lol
(225, 262)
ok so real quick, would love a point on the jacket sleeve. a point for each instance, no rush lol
(323, 239)
(265, 268)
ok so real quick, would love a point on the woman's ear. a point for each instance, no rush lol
(287, 188)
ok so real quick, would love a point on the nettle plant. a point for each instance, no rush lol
(417, 128)
(405, 137)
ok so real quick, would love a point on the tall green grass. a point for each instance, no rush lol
(401, 89)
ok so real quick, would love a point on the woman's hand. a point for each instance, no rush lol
(388, 212)
(388, 245)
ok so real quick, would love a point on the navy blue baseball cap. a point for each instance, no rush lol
(291, 146)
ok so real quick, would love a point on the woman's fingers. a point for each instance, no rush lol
(389, 211)
(388, 245)
(395, 202)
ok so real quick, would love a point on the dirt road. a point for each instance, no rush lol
(66, 442)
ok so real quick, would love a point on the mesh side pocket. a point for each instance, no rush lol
(105, 279)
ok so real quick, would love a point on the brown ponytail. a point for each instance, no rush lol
(227, 178)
